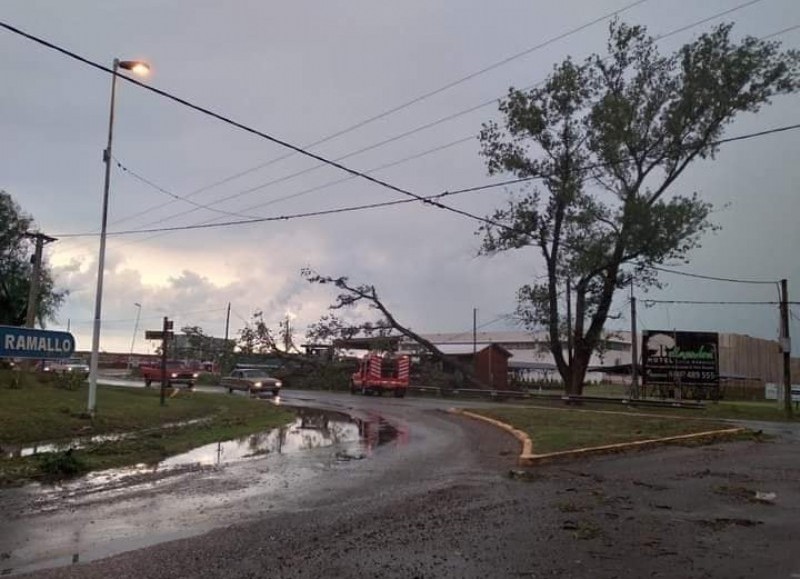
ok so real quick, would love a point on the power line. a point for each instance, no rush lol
(254, 220)
(471, 109)
(221, 117)
(74, 321)
(351, 128)
(434, 199)
(324, 185)
(176, 197)
(426, 95)
(713, 278)
(461, 113)
(427, 200)
(468, 333)
(717, 303)
(250, 220)
(302, 149)
(492, 101)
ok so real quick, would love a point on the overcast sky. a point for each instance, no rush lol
(303, 71)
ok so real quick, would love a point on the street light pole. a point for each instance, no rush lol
(139, 67)
(133, 339)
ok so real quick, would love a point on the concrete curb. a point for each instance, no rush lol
(528, 458)
(524, 439)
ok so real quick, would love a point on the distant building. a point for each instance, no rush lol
(745, 363)
(530, 354)
(197, 348)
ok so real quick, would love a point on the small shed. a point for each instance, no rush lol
(490, 362)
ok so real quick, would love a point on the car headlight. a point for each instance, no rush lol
(195, 375)
(257, 384)
(278, 384)
(173, 375)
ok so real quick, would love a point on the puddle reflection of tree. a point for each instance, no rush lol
(375, 431)
(314, 429)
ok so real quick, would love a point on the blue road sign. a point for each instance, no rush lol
(18, 342)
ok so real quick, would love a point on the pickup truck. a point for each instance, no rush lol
(176, 373)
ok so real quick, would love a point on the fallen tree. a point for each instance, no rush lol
(352, 295)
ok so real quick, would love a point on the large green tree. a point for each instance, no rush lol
(16, 269)
(609, 137)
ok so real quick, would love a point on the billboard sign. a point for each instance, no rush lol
(680, 358)
(16, 342)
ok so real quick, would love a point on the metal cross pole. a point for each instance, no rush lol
(164, 341)
(634, 348)
(133, 339)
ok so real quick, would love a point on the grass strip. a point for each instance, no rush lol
(563, 429)
(767, 411)
(45, 413)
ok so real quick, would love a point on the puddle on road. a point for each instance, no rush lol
(353, 438)
(311, 429)
(97, 516)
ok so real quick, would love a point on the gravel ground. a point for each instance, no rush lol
(728, 510)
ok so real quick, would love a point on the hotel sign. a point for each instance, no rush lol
(16, 342)
(680, 358)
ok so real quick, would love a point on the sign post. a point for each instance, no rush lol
(164, 334)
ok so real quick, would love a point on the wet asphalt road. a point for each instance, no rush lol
(434, 500)
(379, 441)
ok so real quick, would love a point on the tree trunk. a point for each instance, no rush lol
(578, 368)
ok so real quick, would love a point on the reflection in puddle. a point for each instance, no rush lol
(340, 437)
(118, 510)
(311, 429)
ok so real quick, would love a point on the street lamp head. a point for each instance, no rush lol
(135, 66)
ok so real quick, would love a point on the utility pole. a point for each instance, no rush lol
(786, 346)
(634, 348)
(227, 322)
(36, 276)
(474, 332)
(225, 344)
(287, 334)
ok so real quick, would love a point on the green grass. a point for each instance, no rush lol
(568, 429)
(724, 410)
(37, 412)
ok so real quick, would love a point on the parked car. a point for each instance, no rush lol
(252, 381)
(176, 374)
(67, 366)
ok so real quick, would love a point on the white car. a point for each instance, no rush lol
(68, 366)
(252, 381)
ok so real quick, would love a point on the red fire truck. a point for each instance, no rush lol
(378, 374)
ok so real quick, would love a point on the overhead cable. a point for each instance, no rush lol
(713, 278)
(273, 139)
(717, 303)
(415, 197)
